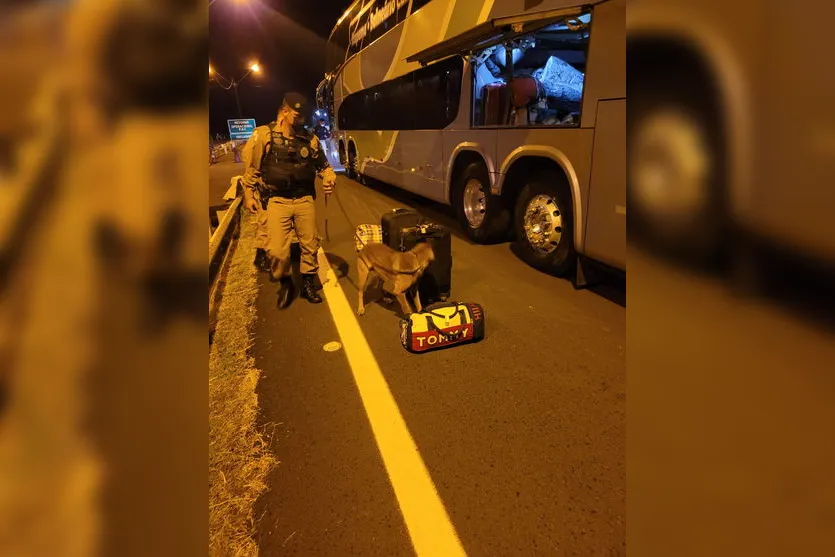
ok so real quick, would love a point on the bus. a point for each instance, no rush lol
(513, 112)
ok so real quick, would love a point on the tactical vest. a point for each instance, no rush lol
(287, 165)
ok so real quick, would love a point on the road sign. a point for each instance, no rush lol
(240, 129)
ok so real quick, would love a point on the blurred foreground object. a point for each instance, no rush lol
(731, 409)
(102, 315)
(731, 128)
(730, 154)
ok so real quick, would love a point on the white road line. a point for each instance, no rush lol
(429, 525)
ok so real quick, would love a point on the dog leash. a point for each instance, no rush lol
(344, 213)
(327, 236)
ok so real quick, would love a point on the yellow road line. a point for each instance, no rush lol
(429, 526)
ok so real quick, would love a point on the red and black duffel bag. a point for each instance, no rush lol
(441, 326)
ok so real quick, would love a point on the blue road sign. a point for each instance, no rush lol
(241, 129)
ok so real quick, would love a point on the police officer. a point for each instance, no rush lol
(262, 262)
(280, 171)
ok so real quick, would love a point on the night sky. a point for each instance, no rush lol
(288, 39)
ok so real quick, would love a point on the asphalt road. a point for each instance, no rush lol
(730, 398)
(523, 434)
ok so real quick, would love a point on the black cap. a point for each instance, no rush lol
(296, 101)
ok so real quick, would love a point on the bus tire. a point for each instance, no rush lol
(343, 160)
(675, 132)
(352, 168)
(544, 224)
(484, 217)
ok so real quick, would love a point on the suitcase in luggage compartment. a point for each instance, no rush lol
(496, 104)
(524, 90)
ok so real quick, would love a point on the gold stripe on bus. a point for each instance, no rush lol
(352, 76)
(447, 18)
(393, 65)
(485, 10)
(467, 15)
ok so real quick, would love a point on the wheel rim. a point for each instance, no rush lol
(543, 224)
(475, 203)
(671, 166)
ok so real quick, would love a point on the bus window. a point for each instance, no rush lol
(418, 4)
(394, 104)
(366, 113)
(539, 84)
(426, 99)
(437, 94)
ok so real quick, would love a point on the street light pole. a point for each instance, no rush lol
(238, 100)
(254, 67)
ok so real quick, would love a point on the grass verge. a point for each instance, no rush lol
(239, 459)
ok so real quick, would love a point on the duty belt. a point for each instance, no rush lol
(288, 190)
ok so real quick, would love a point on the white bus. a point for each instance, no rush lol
(511, 111)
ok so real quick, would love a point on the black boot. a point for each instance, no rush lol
(286, 292)
(309, 290)
(262, 262)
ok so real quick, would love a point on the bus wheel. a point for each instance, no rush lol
(342, 158)
(675, 163)
(545, 225)
(484, 216)
(352, 163)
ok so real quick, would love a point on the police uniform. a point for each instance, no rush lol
(261, 234)
(280, 171)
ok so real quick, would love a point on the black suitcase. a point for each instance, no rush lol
(436, 283)
(402, 230)
(394, 222)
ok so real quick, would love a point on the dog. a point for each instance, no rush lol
(399, 271)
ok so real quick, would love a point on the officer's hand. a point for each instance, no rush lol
(328, 180)
(251, 205)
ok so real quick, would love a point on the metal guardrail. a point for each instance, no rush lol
(26, 193)
(222, 238)
(225, 148)
(219, 244)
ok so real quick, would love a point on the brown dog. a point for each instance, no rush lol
(399, 271)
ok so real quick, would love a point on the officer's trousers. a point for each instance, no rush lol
(283, 215)
(262, 236)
